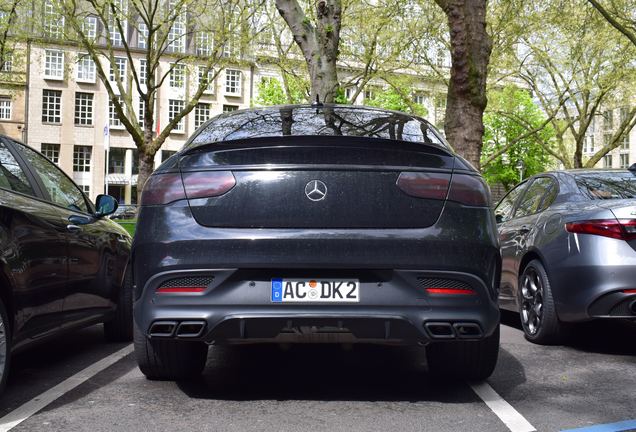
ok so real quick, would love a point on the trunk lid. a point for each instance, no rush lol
(304, 184)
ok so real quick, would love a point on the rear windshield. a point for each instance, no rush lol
(327, 120)
(604, 185)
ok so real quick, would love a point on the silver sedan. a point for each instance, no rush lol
(568, 245)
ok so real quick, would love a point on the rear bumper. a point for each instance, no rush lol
(589, 283)
(394, 308)
(461, 245)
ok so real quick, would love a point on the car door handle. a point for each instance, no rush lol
(73, 228)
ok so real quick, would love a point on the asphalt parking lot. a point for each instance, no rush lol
(587, 383)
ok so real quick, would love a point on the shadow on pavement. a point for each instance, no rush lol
(600, 336)
(323, 372)
(38, 368)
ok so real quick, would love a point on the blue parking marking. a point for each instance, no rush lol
(277, 290)
(622, 426)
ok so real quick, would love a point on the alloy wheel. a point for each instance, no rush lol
(531, 301)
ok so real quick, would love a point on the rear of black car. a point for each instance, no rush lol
(303, 224)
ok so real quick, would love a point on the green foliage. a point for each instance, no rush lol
(397, 100)
(512, 113)
(129, 226)
(341, 98)
(272, 92)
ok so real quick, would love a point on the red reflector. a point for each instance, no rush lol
(451, 291)
(162, 189)
(181, 290)
(424, 185)
(469, 190)
(630, 291)
(624, 229)
(206, 184)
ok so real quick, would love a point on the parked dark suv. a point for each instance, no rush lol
(319, 224)
(63, 265)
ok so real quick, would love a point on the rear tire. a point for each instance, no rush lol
(120, 328)
(535, 294)
(167, 359)
(461, 359)
(5, 346)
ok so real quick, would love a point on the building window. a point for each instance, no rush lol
(85, 188)
(116, 158)
(84, 109)
(233, 82)
(231, 47)
(203, 44)
(201, 114)
(120, 64)
(89, 27)
(230, 108)
(441, 57)
(419, 99)
(174, 108)
(54, 64)
(5, 109)
(86, 71)
(143, 71)
(51, 106)
(113, 118)
(177, 76)
(142, 35)
(208, 78)
(624, 161)
(7, 64)
(82, 158)
(51, 151)
(115, 35)
(53, 21)
(608, 119)
(607, 161)
(369, 94)
(625, 142)
(176, 35)
(349, 92)
(141, 113)
(165, 154)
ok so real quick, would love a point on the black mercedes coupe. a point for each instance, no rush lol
(326, 223)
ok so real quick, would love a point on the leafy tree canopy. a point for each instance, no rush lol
(511, 113)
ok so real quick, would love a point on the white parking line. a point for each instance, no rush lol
(506, 413)
(26, 410)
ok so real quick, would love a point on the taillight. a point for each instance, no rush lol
(206, 184)
(624, 229)
(167, 188)
(469, 190)
(163, 189)
(424, 185)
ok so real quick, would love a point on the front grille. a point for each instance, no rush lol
(188, 281)
(430, 282)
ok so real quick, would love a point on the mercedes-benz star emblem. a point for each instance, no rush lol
(316, 190)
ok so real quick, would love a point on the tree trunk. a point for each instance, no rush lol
(470, 53)
(146, 167)
(318, 43)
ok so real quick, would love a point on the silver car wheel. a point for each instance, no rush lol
(531, 300)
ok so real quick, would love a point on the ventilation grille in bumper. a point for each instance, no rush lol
(430, 282)
(188, 281)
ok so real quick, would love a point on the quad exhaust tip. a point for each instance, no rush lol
(171, 329)
(446, 330)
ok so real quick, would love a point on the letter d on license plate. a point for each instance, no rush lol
(315, 290)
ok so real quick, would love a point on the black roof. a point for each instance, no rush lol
(323, 120)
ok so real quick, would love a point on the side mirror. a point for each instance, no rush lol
(105, 205)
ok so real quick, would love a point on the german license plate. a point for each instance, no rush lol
(315, 290)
